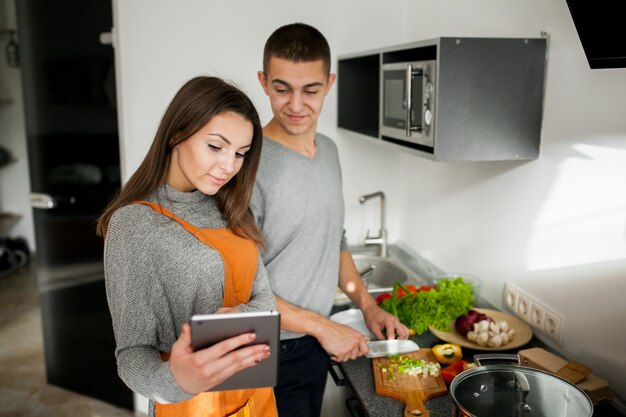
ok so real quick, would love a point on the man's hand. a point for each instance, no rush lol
(378, 320)
(342, 343)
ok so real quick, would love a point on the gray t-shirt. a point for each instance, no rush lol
(157, 276)
(298, 204)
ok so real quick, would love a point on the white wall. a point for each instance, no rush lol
(556, 227)
(14, 184)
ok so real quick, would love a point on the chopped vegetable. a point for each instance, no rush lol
(448, 353)
(437, 307)
(409, 366)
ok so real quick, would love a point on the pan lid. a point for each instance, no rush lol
(507, 390)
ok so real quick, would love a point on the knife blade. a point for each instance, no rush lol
(380, 348)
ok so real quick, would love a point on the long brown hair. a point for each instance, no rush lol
(193, 106)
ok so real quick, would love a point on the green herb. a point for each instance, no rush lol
(437, 308)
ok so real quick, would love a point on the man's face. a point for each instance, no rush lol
(296, 91)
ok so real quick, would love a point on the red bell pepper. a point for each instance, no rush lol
(449, 372)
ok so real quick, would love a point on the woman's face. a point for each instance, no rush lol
(212, 156)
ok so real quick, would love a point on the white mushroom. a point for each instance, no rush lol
(495, 341)
(483, 326)
(471, 336)
(493, 327)
(511, 334)
(505, 338)
(504, 326)
(482, 339)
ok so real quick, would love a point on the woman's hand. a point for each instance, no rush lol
(198, 371)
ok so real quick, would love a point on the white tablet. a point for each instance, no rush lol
(206, 330)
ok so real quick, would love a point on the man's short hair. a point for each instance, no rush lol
(297, 42)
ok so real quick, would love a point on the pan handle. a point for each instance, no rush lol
(523, 387)
(507, 358)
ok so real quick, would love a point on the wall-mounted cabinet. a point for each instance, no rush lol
(448, 99)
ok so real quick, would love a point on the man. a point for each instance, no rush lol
(298, 204)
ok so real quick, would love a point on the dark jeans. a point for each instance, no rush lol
(302, 372)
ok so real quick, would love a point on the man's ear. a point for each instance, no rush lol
(263, 80)
(331, 80)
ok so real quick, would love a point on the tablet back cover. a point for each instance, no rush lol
(206, 330)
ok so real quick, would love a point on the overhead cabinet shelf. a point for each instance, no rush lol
(471, 99)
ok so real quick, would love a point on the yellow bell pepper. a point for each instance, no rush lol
(447, 353)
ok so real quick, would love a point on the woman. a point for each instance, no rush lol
(181, 216)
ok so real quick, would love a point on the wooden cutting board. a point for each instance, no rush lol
(411, 390)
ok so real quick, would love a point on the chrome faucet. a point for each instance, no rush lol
(381, 239)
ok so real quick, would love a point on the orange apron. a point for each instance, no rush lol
(240, 257)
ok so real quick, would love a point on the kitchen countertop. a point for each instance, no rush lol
(359, 374)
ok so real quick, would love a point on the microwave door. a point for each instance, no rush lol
(402, 99)
(408, 102)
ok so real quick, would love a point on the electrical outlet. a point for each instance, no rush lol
(517, 301)
(553, 325)
(509, 296)
(537, 315)
(524, 305)
(532, 311)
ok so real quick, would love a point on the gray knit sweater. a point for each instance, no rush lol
(157, 276)
(298, 204)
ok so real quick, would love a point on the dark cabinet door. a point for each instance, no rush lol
(68, 82)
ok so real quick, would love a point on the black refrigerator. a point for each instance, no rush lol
(68, 83)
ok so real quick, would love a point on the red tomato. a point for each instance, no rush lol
(382, 297)
(401, 292)
(425, 288)
(411, 288)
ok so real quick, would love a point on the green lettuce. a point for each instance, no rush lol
(437, 308)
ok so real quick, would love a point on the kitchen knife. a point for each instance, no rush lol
(380, 348)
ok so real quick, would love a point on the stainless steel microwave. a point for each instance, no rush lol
(408, 102)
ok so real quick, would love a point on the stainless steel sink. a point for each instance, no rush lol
(379, 274)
